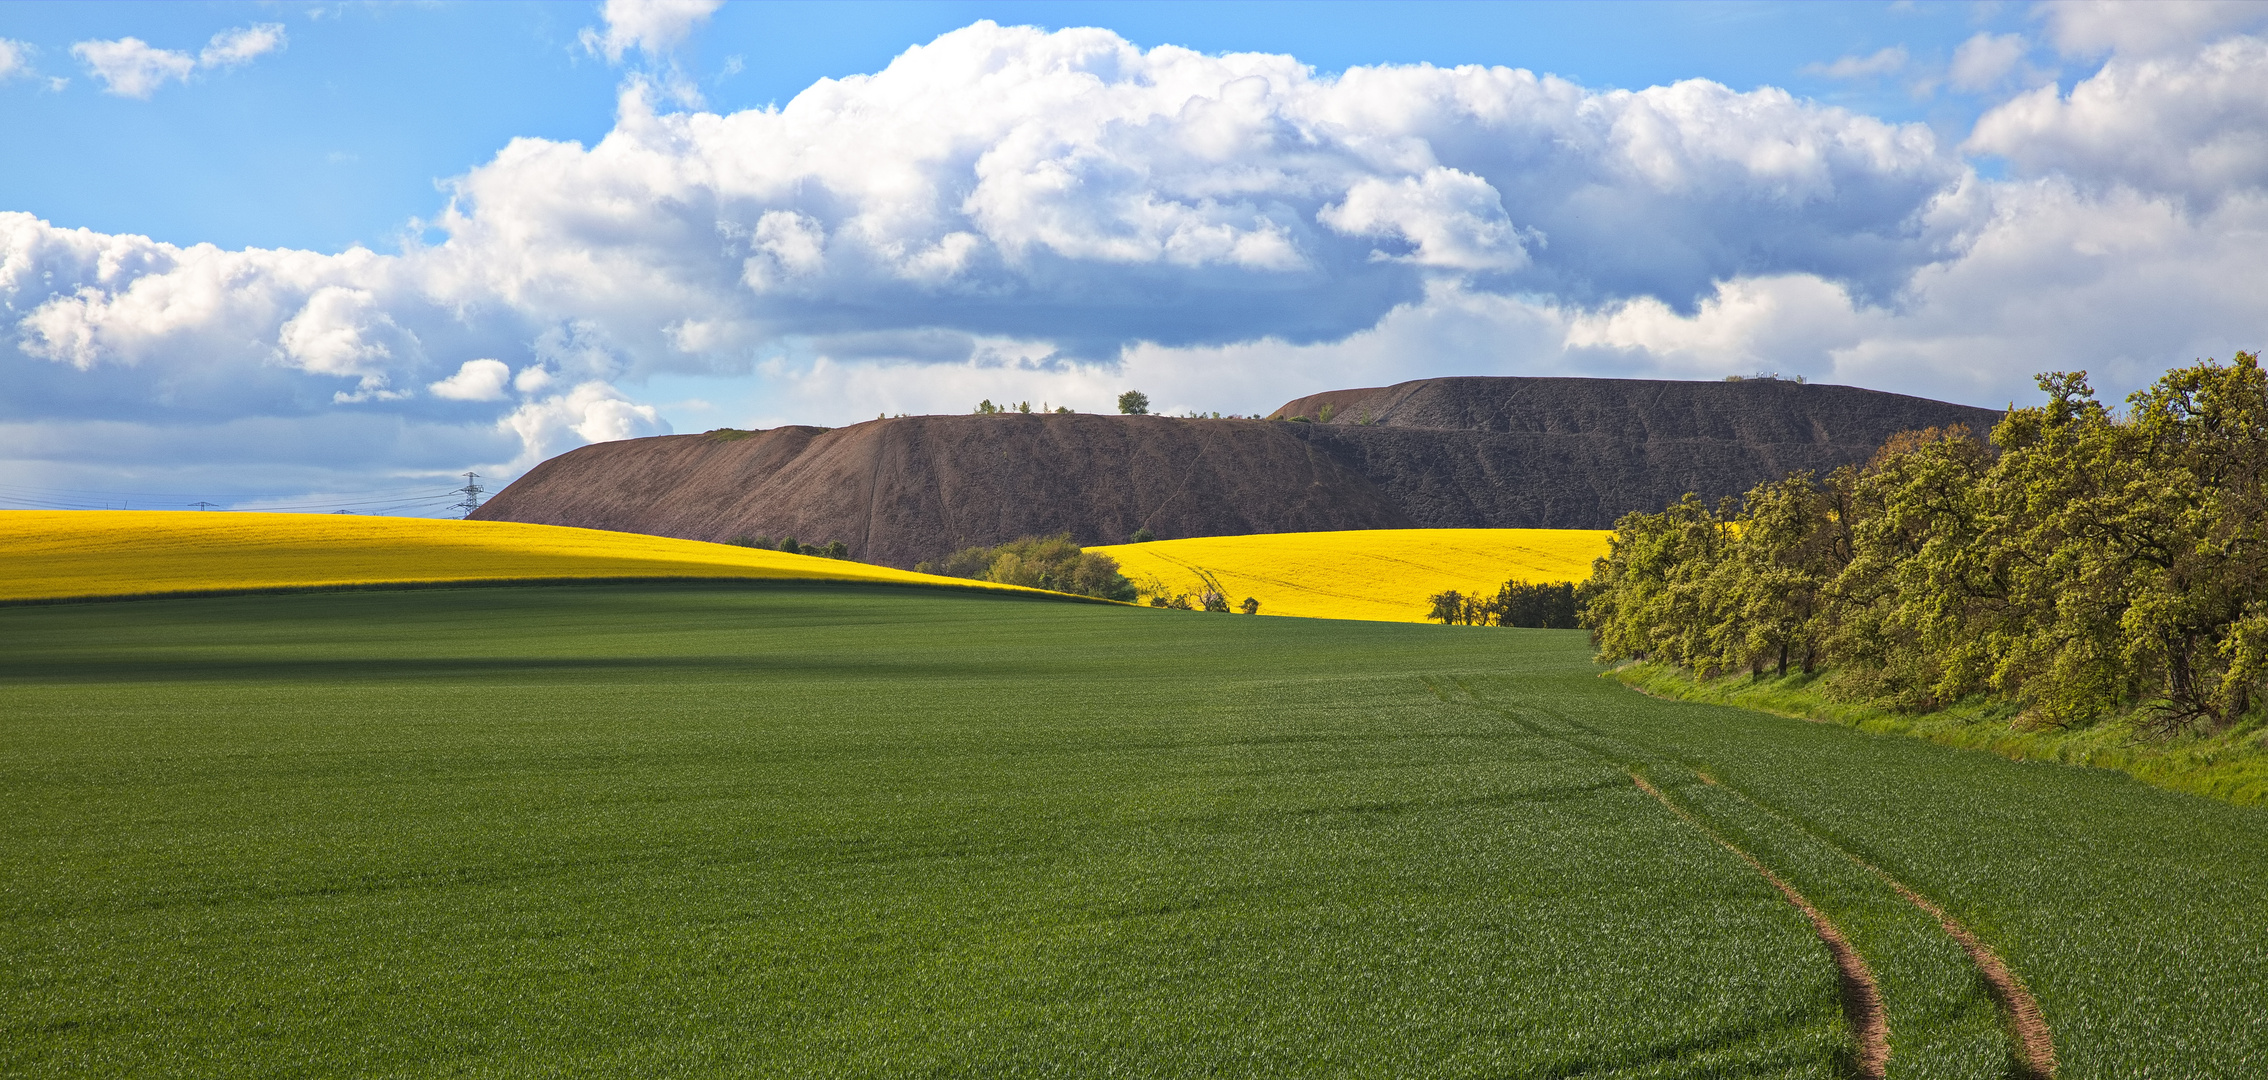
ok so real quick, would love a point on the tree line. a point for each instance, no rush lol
(2079, 563)
(1040, 562)
(1547, 605)
(832, 549)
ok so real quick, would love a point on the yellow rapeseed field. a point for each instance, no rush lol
(1383, 575)
(49, 554)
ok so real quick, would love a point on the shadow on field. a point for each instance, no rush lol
(113, 670)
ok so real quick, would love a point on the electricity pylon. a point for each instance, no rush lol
(471, 492)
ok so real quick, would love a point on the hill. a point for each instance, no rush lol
(1434, 453)
(1380, 576)
(67, 554)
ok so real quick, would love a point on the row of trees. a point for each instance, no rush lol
(1040, 562)
(1536, 605)
(2080, 563)
(832, 549)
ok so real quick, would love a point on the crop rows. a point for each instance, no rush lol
(846, 830)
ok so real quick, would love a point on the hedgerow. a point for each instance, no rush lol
(2080, 565)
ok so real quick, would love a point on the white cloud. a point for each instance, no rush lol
(1451, 219)
(2194, 125)
(654, 27)
(1883, 62)
(241, 45)
(130, 67)
(475, 380)
(15, 59)
(591, 412)
(1986, 61)
(1006, 212)
(2095, 27)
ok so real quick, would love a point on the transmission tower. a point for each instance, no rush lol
(471, 492)
(202, 505)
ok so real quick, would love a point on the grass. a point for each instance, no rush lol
(843, 829)
(1383, 575)
(88, 553)
(2231, 765)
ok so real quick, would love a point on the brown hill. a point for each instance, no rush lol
(899, 491)
(1462, 452)
(1578, 453)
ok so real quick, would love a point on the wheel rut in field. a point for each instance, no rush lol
(2031, 1042)
(2034, 1045)
(1861, 996)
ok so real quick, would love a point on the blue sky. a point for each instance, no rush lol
(330, 254)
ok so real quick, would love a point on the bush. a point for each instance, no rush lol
(1134, 403)
(1040, 562)
(1141, 536)
(1250, 606)
(1545, 606)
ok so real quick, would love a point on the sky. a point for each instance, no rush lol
(332, 256)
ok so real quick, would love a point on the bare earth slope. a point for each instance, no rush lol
(1435, 453)
(898, 491)
(1566, 453)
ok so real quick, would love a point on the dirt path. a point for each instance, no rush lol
(1862, 999)
(2034, 1046)
(2032, 1043)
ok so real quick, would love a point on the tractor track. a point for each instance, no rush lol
(2032, 1044)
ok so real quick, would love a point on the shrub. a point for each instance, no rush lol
(1544, 606)
(1250, 606)
(1141, 536)
(1040, 562)
(1134, 403)
(790, 546)
(1447, 607)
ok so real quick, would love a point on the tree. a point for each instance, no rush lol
(1142, 536)
(1039, 562)
(790, 546)
(1250, 606)
(1134, 403)
(1547, 606)
(1447, 607)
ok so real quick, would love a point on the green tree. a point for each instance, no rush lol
(1134, 403)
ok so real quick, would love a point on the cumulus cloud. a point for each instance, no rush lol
(1987, 60)
(1008, 212)
(591, 412)
(2095, 27)
(1449, 219)
(654, 27)
(1887, 61)
(242, 45)
(475, 380)
(131, 67)
(2193, 126)
(15, 59)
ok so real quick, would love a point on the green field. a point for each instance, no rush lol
(671, 830)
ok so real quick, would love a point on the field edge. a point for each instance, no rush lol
(2230, 767)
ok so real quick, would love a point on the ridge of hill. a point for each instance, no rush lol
(1470, 452)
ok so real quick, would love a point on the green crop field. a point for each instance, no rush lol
(682, 830)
